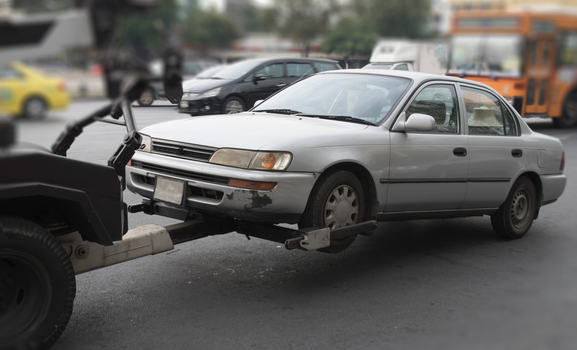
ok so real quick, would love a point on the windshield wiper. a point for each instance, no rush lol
(346, 118)
(279, 111)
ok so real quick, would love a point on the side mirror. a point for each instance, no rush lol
(257, 103)
(257, 78)
(416, 122)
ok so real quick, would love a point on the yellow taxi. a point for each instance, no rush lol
(28, 93)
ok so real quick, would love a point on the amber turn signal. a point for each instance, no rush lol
(252, 185)
(562, 167)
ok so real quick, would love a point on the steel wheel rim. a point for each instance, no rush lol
(146, 97)
(25, 294)
(520, 208)
(233, 106)
(341, 207)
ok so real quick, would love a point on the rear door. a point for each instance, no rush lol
(495, 147)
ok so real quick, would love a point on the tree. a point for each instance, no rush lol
(209, 29)
(142, 31)
(352, 36)
(305, 20)
(400, 18)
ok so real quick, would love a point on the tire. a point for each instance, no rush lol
(233, 105)
(569, 117)
(516, 215)
(35, 108)
(146, 98)
(337, 200)
(37, 285)
(7, 133)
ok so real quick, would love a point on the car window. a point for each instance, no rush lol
(272, 71)
(366, 97)
(440, 102)
(486, 115)
(401, 67)
(6, 72)
(299, 69)
(321, 67)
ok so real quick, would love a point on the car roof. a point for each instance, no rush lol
(294, 59)
(418, 77)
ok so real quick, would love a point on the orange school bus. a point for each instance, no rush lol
(528, 57)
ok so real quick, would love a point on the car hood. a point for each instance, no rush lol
(258, 131)
(206, 84)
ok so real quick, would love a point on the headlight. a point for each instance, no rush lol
(146, 144)
(270, 161)
(252, 160)
(210, 93)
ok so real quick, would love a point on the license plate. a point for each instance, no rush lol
(169, 190)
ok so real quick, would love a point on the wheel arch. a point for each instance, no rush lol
(237, 95)
(364, 176)
(536, 180)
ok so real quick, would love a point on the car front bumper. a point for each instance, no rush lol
(211, 105)
(207, 189)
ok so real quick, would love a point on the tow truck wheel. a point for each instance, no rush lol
(37, 285)
(336, 201)
(146, 98)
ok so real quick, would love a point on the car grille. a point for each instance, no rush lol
(192, 152)
(181, 173)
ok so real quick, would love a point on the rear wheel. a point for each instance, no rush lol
(516, 215)
(336, 201)
(35, 108)
(569, 117)
(37, 285)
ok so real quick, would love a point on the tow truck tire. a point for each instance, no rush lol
(337, 200)
(37, 285)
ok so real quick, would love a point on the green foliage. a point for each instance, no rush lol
(400, 18)
(257, 19)
(305, 20)
(209, 29)
(142, 32)
(353, 36)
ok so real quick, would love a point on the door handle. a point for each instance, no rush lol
(281, 85)
(460, 152)
(517, 153)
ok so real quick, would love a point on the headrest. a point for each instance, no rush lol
(483, 116)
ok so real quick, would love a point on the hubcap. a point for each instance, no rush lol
(520, 208)
(34, 108)
(341, 208)
(233, 107)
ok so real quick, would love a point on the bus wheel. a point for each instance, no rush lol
(569, 117)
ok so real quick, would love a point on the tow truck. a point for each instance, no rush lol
(60, 217)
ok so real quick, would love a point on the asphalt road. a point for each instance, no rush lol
(445, 284)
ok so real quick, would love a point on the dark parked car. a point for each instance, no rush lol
(238, 86)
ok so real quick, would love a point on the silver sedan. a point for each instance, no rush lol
(343, 147)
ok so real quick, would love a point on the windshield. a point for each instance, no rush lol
(363, 97)
(236, 70)
(207, 73)
(498, 55)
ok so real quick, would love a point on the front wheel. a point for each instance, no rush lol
(233, 105)
(37, 285)
(515, 216)
(336, 201)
